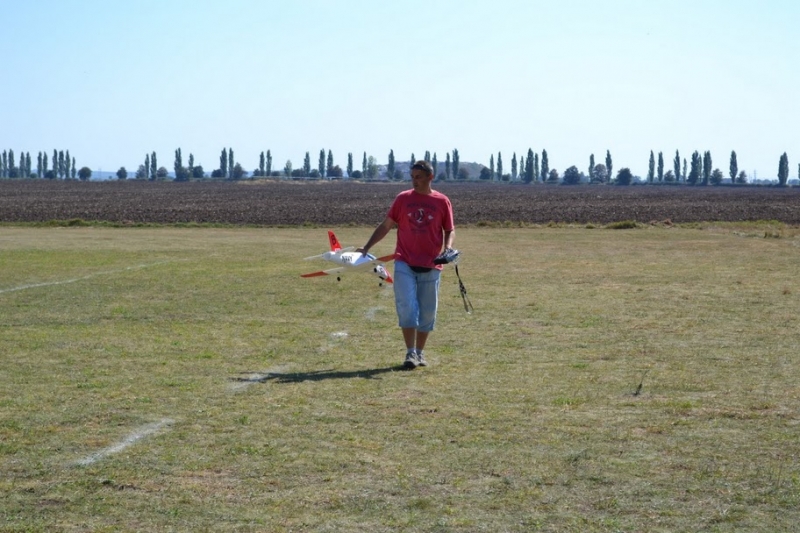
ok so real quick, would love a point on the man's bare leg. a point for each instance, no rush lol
(410, 337)
(422, 338)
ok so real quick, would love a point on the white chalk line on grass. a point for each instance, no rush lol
(238, 384)
(335, 338)
(372, 311)
(133, 438)
(82, 278)
(256, 377)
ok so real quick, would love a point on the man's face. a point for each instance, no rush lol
(420, 179)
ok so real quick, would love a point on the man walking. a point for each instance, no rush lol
(424, 221)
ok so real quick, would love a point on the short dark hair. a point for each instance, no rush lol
(423, 166)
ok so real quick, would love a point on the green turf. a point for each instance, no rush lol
(187, 379)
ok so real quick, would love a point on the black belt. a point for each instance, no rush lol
(420, 270)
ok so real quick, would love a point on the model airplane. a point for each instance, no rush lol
(349, 259)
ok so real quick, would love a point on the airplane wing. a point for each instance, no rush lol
(322, 272)
(370, 260)
(321, 256)
(362, 264)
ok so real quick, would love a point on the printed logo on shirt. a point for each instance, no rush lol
(421, 215)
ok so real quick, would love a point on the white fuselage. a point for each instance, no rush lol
(358, 260)
(351, 259)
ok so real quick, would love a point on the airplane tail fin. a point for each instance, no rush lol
(335, 246)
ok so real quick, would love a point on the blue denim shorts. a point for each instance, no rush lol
(416, 297)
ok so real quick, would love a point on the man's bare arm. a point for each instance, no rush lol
(380, 232)
(448, 238)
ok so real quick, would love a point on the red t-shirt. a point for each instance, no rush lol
(421, 221)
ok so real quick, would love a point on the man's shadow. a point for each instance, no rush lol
(320, 375)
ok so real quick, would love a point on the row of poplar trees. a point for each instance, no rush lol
(63, 165)
(700, 170)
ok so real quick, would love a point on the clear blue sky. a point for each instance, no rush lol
(112, 81)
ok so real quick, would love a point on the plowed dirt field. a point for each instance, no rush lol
(341, 202)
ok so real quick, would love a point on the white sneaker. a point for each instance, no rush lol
(411, 361)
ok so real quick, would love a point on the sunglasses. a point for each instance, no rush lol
(422, 168)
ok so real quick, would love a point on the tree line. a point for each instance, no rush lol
(531, 167)
(699, 171)
(62, 166)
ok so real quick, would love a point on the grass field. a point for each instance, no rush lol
(168, 379)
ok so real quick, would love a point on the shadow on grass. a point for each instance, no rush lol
(320, 375)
